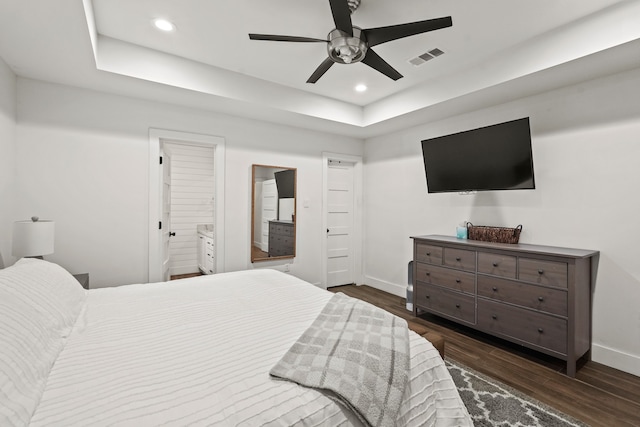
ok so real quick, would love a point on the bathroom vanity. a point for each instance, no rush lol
(206, 252)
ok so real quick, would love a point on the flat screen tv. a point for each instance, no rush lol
(285, 182)
(496, 157)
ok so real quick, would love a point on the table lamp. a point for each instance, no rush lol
(33, 238)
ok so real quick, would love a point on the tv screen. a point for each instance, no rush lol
(496, 157)
(285, 182)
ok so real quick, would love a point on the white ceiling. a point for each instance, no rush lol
(209, 61)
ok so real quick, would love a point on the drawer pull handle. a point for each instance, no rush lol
(428, 253)
(495, 264)
(494, 317)
(540, 330)
(457, 305)
(458, 258)
(427, 274)
(540, 299)
(457, 280)
(541, 271)
(427, 296)
(495, 289)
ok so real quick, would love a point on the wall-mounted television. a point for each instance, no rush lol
(496, 157)
(285, 182)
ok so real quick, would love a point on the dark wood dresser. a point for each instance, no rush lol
(536, 296)
(281, 241)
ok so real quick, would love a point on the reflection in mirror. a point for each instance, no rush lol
(273, 213)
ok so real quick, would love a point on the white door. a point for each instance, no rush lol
(340, 216)
(166, 213)
(269, 210)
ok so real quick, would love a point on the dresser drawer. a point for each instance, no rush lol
(281, 240)
(497, 264)
(284, 230)
(460, 258)
(549, 273)
(527, 295)
(447, 277)
(428, 253)
(532, 327)
(448, 303)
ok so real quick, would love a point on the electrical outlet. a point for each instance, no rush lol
(286, 268)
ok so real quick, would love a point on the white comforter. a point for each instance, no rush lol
(198, 352)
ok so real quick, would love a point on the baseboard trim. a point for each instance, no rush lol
(616, 359)
(383, 285)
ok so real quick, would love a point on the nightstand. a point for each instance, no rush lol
(83, 278)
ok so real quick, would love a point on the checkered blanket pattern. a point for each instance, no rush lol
(355, 352)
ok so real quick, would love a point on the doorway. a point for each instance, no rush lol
(342, 201)
(188, 148)
(190, 205)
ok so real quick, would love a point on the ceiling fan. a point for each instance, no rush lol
(348, 44)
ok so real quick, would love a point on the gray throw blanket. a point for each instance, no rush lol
(355, 352)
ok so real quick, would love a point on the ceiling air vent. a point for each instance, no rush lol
(421, 59)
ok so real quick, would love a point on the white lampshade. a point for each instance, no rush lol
(33, 237)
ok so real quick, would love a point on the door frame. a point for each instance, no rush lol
(165, 233)
(357, 212)
(156, 136)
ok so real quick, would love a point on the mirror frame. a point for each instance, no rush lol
(253, 212)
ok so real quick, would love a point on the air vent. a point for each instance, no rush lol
(427, 56)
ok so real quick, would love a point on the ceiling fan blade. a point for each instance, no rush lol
(342, 16)
(374, 61)
(376, 36)
(319, 72)
(276, 38)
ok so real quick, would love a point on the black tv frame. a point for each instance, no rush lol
(489, 158)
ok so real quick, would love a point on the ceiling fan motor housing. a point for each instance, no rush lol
(345, 49)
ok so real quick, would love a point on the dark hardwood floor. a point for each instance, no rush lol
(598, 396)
(185, 276)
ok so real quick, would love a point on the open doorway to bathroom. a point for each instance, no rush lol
(191, 204)
(160, 225)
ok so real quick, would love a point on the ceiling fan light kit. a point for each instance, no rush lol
(353, 5)
(344, 49)
(348, 44)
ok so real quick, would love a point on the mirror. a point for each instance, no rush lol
(273, 213)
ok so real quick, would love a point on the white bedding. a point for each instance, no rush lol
(198, 352)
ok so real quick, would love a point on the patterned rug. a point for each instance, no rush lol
(491, 403)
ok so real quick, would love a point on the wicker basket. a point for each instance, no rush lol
(493, 234)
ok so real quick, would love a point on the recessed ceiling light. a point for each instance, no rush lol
(361, 88)
(164, 25)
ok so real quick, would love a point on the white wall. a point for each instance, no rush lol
(586, 151)
(82, 160)
(7, 160)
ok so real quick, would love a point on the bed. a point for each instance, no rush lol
(195, 351)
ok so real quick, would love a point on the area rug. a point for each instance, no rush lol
(491, 403)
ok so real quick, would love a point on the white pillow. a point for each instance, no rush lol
(39, 304)
(51, 288)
